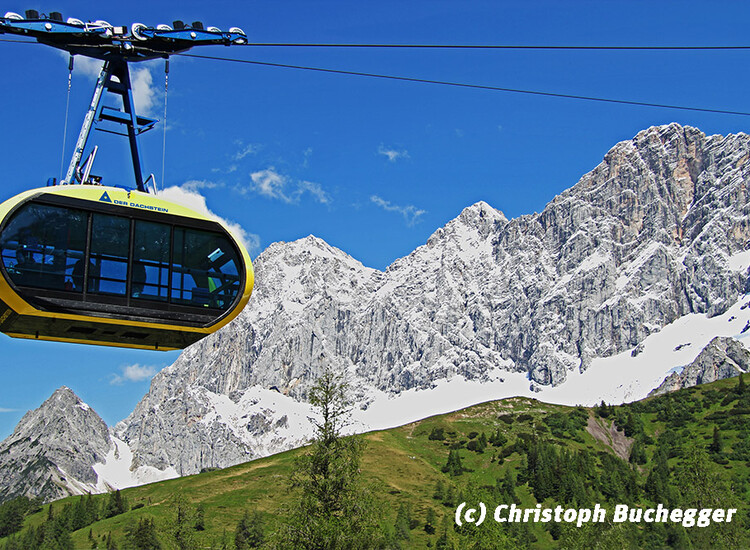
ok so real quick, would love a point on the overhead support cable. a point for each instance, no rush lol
(67, 111)
(492, 47)
(472, 86)
(164, 124)
(470, 46)
(469, 85)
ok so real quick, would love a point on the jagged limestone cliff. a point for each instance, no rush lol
(651, 234)
(52, 450)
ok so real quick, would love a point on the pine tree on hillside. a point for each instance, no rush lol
(12, 514)
(430, 522)
(200, 518)
(249, 531)
(141, 536)
(333, 508)
(717, 445)
(403, 522)
(116, 505)
(180, 527)
(453, 466)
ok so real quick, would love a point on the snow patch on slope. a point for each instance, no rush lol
(115, 472)
(618, 379)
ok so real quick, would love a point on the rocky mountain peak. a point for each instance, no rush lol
(62, 406)
(64, 397)
(51, 452)
(481, 213)
(656, 231)
(722, 358)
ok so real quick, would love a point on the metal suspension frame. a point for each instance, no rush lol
(116, 46)
(115, 78)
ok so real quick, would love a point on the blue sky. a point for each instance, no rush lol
(371, 166)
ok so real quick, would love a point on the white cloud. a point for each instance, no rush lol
(87, 66)
(195, 185)
(145, 94)
(307, 153)
(393, 154)
(246, 150)
(229, 170)
(315, 190)
(273, 185)
(133, 373)
(410, 213)
(188, 195)
(4, 410)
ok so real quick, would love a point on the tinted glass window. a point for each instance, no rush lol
(42, 245)
(45, 247)
(108, 264)
(204, 270)
(150, 275)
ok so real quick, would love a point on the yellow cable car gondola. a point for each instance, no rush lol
(81, 262)
(102, 265)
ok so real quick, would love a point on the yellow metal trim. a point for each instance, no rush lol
(79, 341)
(117, 197)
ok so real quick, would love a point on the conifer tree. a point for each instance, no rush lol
(657, 483)
(403, 521)
(92, 508)
(334, 509)
(717, 445)
(200, 518)
(12, 514)
(497, 439)
(180, 525)
(116, 505)
(443, 542)
(638, 453)
(249, 531)
(142, 536)
(430, 520)
(509, 487)
(439, 493)
(453, 466)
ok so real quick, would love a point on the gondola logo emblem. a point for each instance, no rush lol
(105, 198)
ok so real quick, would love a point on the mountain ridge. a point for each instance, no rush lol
(645, 238)
(653, 237)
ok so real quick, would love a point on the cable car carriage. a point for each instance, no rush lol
(104, 265)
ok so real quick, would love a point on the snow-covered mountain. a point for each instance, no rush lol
(51, 452)
(722, 358)
(625, 276)
(656, 232)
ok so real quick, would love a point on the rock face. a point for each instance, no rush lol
(658, 230)
(52, 450)
(721, 358)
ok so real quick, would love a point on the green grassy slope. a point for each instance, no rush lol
(535, 452)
